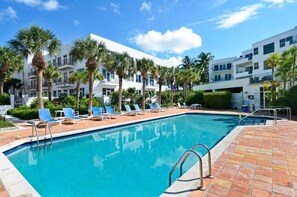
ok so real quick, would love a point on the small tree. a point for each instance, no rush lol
(170, 77)
(50, 73)
(161, 78)
(78, 78)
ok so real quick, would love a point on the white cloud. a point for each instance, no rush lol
(115, 8)
(278, 3)
(176, 41)
(151, 19)
(218, 3)
(76, 23)
(9, 12)
(243, 14)
(175, 61)
(47, 5)
(102, 8)
(145, 6)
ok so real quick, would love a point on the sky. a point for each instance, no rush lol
(168, 29)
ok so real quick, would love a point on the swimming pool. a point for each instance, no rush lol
(124, 161)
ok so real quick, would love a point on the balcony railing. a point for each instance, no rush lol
(64, 82)
(65, 62)
(260, 78)
(218, 69)
(32, 73)
(30, 87)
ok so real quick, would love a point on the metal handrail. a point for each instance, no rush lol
(209, 159)
(184, 157)
(288, 109)
(262, 109)
(34, 130)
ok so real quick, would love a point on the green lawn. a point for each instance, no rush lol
(5, 124)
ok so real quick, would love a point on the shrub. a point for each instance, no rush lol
(4, 124)
(292, 98)
(24, 113)
(218, 100)
(178, 97)
(4, 99)
(195, 97)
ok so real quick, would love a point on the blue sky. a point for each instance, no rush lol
(165, 28)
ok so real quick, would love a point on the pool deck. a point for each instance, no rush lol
(260, 161)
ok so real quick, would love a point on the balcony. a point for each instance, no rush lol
(66, 64)
(31, 74)
(32, 87)
(110, 82)
(228, 68)
(260, 78)
(65, 84)
(243, 74)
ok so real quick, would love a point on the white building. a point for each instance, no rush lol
(101, 89)
(244, 76)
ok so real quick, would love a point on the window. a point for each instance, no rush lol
(224, 66)
(65, 74)
(217, 77)
(146, 82)
(55, 93)
(289, 39)
(80, 70)
(59, 61)
(66, 92)
(256, 65)
(216, 67)
(59, 92)
(107, 75)
(138, 78)
(227, 76)
(256, 51)
(107, 91)
(82, 92)
(221, 67)
(130, 77)
(229, 66)
(70, 60)
(152, 81)
(55, 62)
(249, 56)
(268, 48)
(282, 43)
(138, 91)
(265, 66)
(71, 91)
(64, 59)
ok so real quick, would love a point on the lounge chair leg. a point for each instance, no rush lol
(49, 127)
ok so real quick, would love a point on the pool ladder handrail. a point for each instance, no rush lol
(34, 130)
(183, 159)
(261, 109)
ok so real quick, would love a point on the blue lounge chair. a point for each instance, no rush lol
(138, 110)
(110, 111)
(46, 117)
(98, 113)
(152, 108)
(159, 107)
(69, 115)
(129, 111)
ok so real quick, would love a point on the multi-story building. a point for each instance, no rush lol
(67, 66)
(244, 76)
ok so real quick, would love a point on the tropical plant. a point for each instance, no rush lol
(132, 94)
(10, 62)
(284, 68)
(14, 83)
(33, 41)
(123, 65)
(160, 75)
(78, 78)
(95, 53)
(144, 66)
(51, 72)
(170, 77)
(203, 66)
(272, 62)
(150, 94)
(293, 52)
(184, 77)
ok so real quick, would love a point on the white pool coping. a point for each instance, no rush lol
(16, 185)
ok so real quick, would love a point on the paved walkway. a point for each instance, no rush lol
(261, 161)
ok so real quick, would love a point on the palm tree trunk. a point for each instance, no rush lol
(49, 88)
(1, 86)
(171, 94)
(294, 70)
(39, 88)
(160, 92)
(285, 84)
(77, 94)
(143, 92)
(120, 92)
(185, 90)
(91, 80)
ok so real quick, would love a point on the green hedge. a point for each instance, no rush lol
(4, 99)
(217, 100)
(24, 113)
(292, 98)
(195, 97)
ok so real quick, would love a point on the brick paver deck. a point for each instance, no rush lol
(261, 161)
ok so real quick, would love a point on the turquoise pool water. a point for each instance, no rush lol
(132, 160)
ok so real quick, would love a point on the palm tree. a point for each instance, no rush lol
(203, 66)
(188, 63)
(33, 41)
(284, 68)
(144, 66)
(272, 62)
(78, 78)
(50, 73)
(161, 77)
(170, 77)
(184, 77)
(123, 65)
(10, 62)
(95, 53)
(293, 52)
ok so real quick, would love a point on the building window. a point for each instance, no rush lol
(265, 65)
(256, 51)
(82, 92)
(64, 59)
(227, 76)
(256, 65)
(138, 78)
(66, 92)
(229, 66)
(70, 60)
(282, 43)
(59, 61)
(107, 75)
(138, 91)
(71, 91)
(59, 92)
(152, 81)
(216, 67)
(289, 39)
(268, 48)
(107, 91)
(80, 70)
(130, 77)
(55, 62)
(217, 77)
(55, 93)
(249, 56)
